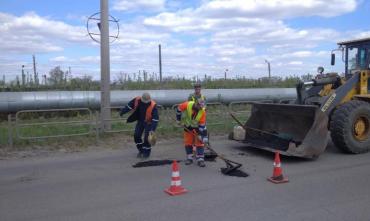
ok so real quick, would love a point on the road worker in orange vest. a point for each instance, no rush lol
(144, 111)
(192, 115)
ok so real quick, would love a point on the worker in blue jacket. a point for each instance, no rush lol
(144, 111)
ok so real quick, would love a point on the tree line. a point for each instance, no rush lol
(57, 79)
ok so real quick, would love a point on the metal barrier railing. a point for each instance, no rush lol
(217, 114)
(18, 123)
(122, 120)
(240, 109)
(243, 109)
(232, 107)
(116, 120)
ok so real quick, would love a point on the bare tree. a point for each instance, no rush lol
(56, 76)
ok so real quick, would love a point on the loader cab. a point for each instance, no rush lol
(355, 55)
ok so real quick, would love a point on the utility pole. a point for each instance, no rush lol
(28, 78)
(160, 63)
(226, 73)
(65, 78)
(23, 77)
(34, 69)
(269, 69)
(105, 65)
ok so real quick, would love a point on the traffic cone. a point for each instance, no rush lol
(175, 188)
(277, 176)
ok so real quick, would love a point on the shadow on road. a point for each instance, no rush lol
(244, 150)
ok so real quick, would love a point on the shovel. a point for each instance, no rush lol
(232, 167)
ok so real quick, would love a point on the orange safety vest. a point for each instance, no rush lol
(149, 110)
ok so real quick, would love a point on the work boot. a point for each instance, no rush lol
(201, 163)
(188, 161)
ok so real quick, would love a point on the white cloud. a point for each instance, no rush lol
(246, 25)
(302, 54)
(365, 34)
(355, 34)
(323, 53)
(309, 55)
(31, 33)
(59, 59)
(206, 39)
(139, 34)
(276, 8)
(297, 54)
(217, 12)
(276, 33)
(91, 59)
(295, 63)
(133, 5)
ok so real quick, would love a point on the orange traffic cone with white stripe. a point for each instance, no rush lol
(277, 176)
(175, 188)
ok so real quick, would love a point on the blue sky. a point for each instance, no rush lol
(197, 37)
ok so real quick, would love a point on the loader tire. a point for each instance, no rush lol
(350, 127)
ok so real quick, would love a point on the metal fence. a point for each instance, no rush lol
(19, 123)
(115, 119)
(217, 116)
(119, 124)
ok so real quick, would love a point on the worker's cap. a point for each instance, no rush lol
(320, 69)
(201, 102)
(145, 98)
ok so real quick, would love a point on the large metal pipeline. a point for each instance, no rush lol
(16, 101)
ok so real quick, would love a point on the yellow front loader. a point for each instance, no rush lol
(329, 105)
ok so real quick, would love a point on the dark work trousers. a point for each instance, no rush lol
(143, 147)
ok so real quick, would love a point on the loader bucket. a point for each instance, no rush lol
(294, 130)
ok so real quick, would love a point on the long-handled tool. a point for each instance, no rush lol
(280, 136)
(249, 128)
(232, 167)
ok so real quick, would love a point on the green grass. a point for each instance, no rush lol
(218, 122)
(3, 134)
(52, 130)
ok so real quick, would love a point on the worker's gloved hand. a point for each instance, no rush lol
(152, 138)
(121, 113)
(205, 140)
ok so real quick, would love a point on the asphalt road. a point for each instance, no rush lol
(102, 185)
